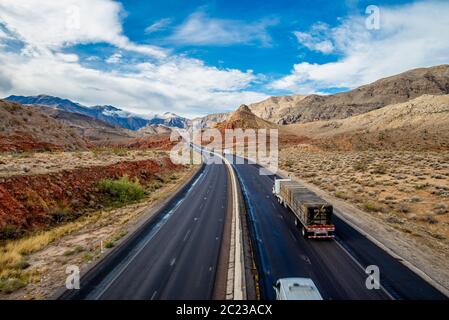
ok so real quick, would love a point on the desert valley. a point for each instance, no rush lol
(74, 180)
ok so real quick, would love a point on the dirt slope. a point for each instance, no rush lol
(25, 129)
(420, 124)
(391, 90)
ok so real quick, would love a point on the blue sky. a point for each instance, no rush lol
(198, 57)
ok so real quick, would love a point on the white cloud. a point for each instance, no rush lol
(67, 57)
(52, 24)
(167, 83)
(410, 36)
(199, 29)
(316, 38)
(185, 86)
(115, 58)
(158, 25)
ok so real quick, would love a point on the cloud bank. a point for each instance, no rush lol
(410, 36)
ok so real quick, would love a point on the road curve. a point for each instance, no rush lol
(336, 266)
(177, 255)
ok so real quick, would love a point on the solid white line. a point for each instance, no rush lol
(239, 268)
(361, 267)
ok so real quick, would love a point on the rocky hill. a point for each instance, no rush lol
(88, 128)
(273, 108)
(244, 118)
(25, 128)
(210, 120)
(419, 124)
(391, 90)
(153, 130)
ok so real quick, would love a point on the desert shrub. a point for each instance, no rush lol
(370, 206)
(380, 169)
(360, 166)
(109, 244)
(403, 207)
(11, 107)
(123, 190)
(21, 265)
(10, 232)
(9, 285)
(155, 186)
(341, 195)
(289, 163)
(422, 186)
(440, 208)
(120, 152)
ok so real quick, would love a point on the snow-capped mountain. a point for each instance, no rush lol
(107, 113)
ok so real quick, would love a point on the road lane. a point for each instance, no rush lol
(177, 257)
(336, 268)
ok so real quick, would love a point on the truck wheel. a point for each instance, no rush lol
(304, 233)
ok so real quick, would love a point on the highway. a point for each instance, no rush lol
(176, 256)
(336, 266)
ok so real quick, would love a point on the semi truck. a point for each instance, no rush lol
(312, 214)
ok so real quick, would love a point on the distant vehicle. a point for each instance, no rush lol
(296, 289)
(312, 214)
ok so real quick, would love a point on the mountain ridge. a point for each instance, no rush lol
(106, 113)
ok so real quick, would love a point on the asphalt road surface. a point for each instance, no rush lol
(336, 266)
(177, 256)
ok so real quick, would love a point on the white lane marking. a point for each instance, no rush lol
(187, 235)
(172, 262)
(113, 276)
(361, 267)
(153, 295)
(239, 271)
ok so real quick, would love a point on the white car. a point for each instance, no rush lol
(296, 289)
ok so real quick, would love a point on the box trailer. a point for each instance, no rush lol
(312, 214)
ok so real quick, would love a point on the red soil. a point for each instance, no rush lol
(29, 202)
(24, 142)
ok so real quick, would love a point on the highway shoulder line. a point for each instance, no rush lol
(236, 272)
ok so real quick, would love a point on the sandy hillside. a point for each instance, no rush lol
(25, 128)
(392, 90)
(422, 123)
(273, 108)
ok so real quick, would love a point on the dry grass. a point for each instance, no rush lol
(44, 162)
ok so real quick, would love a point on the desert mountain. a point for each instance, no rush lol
(26, 128)
(109, 114)
(418, 124)
(273, 108)
(89, 128)
(210, 121)
(153, 129)
(270, 109)
(391, 90)
(244, 118)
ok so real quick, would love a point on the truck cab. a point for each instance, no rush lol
(296, 289)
